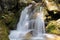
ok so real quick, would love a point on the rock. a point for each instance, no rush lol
(53, 27)
(52, 37)
(28, 36)
(51, 5)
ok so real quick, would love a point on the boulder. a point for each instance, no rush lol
(53, 27)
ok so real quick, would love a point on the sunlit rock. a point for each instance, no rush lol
(51, 5)
(53, 27)
(52, 37)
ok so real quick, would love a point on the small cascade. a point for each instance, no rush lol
(39, 25)
(22, 26)
(30, 21)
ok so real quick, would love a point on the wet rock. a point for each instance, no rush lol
(28, 36)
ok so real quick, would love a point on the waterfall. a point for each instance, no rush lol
(39, 25)
(24, 20)
(22, 26)
(30, 21)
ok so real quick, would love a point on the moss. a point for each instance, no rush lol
(3, 31)
(53, 27)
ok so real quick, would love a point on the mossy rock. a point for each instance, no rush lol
(3, 31)
(53, 27)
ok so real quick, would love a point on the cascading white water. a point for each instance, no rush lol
(39, 30)
(39, 23)
(28, 22)
(24, 19)
(22, 26)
